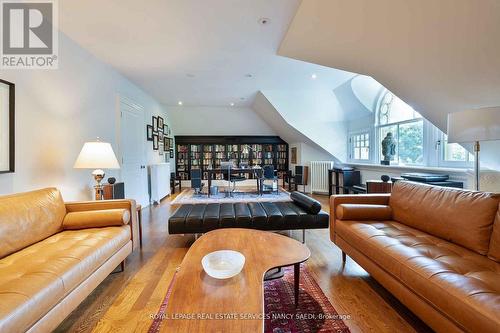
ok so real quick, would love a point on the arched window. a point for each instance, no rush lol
(406, 126)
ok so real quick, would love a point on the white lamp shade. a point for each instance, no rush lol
(474, 125)
(97, 155)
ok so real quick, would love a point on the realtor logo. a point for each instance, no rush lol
(29, 34)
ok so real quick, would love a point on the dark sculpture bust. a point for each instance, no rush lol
(388, 149)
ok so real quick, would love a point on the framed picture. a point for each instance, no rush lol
(165, 129)
(171, 142)
(294, 155)
(149, 132)
(160, 148)
(160, 137)
(171, 153)
(155, 141)
(155, 124)
(160, 124)
(7, 126)
(166, 143)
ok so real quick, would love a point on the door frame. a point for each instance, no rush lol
(119, 100)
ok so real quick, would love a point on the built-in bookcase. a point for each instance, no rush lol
(208, 152)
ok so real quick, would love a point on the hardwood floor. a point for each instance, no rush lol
(123, 302)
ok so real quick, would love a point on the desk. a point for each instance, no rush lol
(212, 172)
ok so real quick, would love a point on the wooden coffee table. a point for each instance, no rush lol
(200, 303)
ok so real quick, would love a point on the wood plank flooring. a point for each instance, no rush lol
(124, 302)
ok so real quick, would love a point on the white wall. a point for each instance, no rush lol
(58, 110)
(217, 121)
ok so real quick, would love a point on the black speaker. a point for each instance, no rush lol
(301, 174)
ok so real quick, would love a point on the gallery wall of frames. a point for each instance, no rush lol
(160, 134)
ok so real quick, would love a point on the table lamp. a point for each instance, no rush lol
(97, 155)
(473, 126)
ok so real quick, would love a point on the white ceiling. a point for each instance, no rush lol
(160, 44)
(439, 56)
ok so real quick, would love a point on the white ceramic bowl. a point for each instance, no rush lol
(223, 264)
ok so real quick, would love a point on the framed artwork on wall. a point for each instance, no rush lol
(160, 148)
(161, 137)
(160, 124)
(166, 143)
(7, 126)
(171, 142)
(155, 124)
(165, 129)
(149, 132)
(155, 141)
(294, 155)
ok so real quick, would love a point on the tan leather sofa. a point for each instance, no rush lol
(436, 249)
(54, 254)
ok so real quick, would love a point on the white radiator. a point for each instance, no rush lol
(319, 176)
(159, 182)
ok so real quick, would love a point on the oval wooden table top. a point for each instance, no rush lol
(200, 303)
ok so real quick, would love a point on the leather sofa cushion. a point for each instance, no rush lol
(363, 212)
(457, 282)
(96, 219)
(309, 204)
(461, 217)
(36, 278)
(27, 218)
(494, 251)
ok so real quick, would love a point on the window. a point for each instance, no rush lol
(360, 146)
(454, 154)
(406, 126)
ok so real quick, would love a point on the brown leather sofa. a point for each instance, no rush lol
(54, 254)
(436, 249)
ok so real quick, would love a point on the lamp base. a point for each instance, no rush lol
(98, 176)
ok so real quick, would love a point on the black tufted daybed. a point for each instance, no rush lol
(302, 212)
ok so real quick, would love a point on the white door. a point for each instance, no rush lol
(133, 167)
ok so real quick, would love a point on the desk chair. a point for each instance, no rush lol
(269, 174)
(226, 168)
(196, 182)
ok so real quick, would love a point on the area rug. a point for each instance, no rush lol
(315, 313)
(189, 197)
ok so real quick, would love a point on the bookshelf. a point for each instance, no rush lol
(207, 152)
(182, 161)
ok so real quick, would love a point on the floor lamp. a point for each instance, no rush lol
(474, 126)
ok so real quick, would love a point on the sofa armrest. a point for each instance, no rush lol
(361, 199)
(360, 212)
(128, 204)
(96, 218)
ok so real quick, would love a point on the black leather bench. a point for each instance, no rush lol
(302, 212)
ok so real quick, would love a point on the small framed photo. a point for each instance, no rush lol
(160, 149)
(165, 129)
(171, 142)
(160, 124)
(149, 132)
(166, 143)
(161, 136)
(155, 124)
(171, 153)
(155, 141)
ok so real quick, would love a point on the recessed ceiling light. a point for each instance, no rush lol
(179, 102)
(314, 76)
(248, 75)
(232, 104)
(264, 21)
(190, 75)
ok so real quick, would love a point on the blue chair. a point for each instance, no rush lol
(269, 174)
(196, 182)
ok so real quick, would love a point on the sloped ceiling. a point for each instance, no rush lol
(438, 56)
